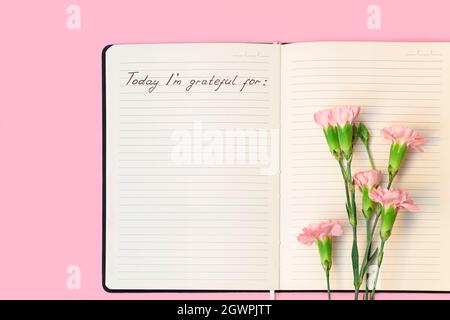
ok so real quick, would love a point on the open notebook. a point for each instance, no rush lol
(183, 211)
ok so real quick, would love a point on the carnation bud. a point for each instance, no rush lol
(363, 134)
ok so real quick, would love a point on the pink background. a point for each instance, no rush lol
(50, 121)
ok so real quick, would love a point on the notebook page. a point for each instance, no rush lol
(191, 202)
(395, 84)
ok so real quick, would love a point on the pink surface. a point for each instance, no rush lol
(50, 122)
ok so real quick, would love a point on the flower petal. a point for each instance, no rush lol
(305, 239)
(322, 118)
(404, 135)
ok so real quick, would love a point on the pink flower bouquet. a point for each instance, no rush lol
(342, 132)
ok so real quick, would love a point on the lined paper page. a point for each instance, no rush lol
(195, 222)
(395, 84)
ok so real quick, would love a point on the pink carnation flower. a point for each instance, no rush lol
(336, 116)
(403, 135)
(368, 179)
(345, 115)
(318, 231)
(395, 198)
(323, 118)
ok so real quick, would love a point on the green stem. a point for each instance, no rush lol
(369, 154)
(380, 261)
(354, 220)
(351, 212)
(380, 253)
(390, 183)
(368, 230)
(368, 249)
(344, 176)
(366, 292)
(370, 233)
(327, 274)
(349, 171)
(391, 179)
